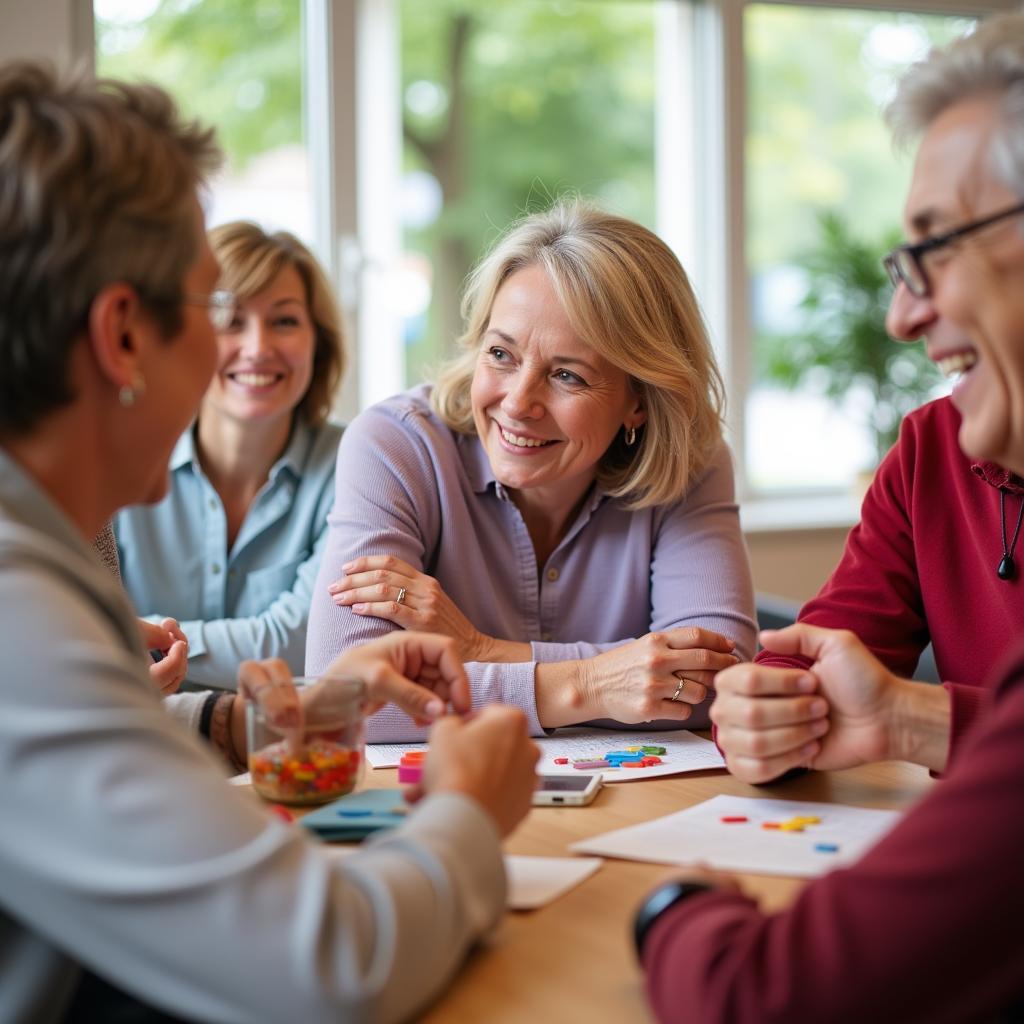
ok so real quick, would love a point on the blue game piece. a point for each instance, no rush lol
(354, 812)
(826, 847)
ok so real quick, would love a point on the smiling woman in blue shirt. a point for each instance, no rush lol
(232, 551)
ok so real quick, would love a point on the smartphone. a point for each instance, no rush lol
(566, 790)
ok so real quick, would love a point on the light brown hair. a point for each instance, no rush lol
(628, 297)
(250, 259)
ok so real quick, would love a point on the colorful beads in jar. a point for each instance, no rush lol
(326, 762)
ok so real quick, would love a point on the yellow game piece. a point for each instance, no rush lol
(633, 750)
(791, 826)
(809, 819)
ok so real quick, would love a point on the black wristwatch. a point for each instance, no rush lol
(665, 896)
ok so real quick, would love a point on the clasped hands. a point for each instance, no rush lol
(844, 711)
(167, 638)
(847, 709)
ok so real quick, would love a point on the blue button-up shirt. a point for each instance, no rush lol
(249, 602)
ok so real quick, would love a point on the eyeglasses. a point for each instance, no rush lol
(906, 262)
(221, 307)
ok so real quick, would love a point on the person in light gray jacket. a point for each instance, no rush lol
(122, 850)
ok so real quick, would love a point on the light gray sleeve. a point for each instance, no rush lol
(186, 709)
(123, 846)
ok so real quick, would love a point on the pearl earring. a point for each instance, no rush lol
(131, 393)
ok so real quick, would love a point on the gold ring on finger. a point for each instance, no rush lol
(401, 596)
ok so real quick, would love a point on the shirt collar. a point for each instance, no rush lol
(184, 453)
(1002, 479)
(481, 476)
(476, 463)
(293, 458)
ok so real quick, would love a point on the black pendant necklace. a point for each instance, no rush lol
(1007, 567)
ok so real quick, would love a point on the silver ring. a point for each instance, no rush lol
(679, 688)
(401, 596)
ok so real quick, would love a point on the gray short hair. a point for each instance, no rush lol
(97, 185)
(250, 258)
(987, 62)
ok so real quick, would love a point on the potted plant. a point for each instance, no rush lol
(843, 345)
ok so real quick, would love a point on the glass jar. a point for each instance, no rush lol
(327, 761)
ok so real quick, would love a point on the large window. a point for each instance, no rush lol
(748, 133)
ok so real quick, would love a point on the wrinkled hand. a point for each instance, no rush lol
(637, 682)
(419, 672)
(836, 715)
(268, 684)
(490, 758)
(373, 584)
(169, 673)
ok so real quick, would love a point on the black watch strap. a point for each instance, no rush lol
(665, 896)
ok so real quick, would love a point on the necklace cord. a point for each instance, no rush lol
(1007, 569)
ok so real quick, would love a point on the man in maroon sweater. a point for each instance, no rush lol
(923, 564)
(928, 925)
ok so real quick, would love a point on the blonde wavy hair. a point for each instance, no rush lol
(250, 259)
(628, 297)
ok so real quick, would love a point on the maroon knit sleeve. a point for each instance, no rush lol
(924, 928)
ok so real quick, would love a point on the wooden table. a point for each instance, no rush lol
(572, 961)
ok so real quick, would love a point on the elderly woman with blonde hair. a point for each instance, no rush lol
(561, 501)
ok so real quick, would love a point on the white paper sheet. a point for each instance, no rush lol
(684, 752)
(536, 881)
(699, 836)
(532, 881)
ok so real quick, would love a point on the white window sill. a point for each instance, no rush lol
(791, 514)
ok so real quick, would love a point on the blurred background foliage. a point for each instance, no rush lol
(843, 344)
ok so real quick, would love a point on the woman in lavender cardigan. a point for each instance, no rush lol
(561, 501)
